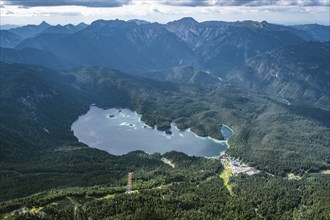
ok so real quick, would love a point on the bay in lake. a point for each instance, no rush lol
(119, 131)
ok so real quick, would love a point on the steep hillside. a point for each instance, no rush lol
(223, 45)
(117, 44)
(192, 52)
(64, 29)
(184, 74)
(36, 107)
(33, 56)
(28, 31)
(139, 47)
(298, 73)
(8, 39)
(318, 32)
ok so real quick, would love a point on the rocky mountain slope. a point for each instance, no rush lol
(188, 51)
(299, 73)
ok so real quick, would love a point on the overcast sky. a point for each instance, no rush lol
(22, 12)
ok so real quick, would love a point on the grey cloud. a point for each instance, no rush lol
(303, 2)
(252, 3)
(155, 10)
(87, 3)
(243, 2)
(72, 13)
(191, 3)
(8, 12)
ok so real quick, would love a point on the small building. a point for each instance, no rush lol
(41, 213)
(22, 210)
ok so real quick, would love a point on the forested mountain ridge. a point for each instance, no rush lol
(182, 51)
(28, 31)
(65, 29)
(318, 32)
(222, 45)
(298, 73)
(218, 45)
(117, 44)
(13, 36)
(8, 39)
(32, 56)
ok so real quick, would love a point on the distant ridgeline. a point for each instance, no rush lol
(269, 83)
(287, 62)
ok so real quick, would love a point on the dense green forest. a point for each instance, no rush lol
(49, 169)
(191, 190)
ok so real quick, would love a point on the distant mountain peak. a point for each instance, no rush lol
(102, 22)
(187, 20)
(44, 24)
(139, 22)
(82, 24)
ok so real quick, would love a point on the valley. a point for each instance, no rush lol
(216, 120)
(63, 163)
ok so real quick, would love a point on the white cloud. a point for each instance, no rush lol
(160, 12)
(87, 3)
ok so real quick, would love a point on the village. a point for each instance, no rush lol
(236, 166)
(24, 210)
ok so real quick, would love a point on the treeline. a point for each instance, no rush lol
(260, 196)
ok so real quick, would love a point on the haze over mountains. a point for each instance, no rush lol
(186, 50)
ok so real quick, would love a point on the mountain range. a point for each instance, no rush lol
(187, 51)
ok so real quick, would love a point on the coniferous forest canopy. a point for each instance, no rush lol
(269, 83)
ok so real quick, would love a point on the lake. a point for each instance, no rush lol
(119, 131)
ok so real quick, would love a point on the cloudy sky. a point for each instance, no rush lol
(75, 11)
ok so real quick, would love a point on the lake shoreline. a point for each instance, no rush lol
(119, 131)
